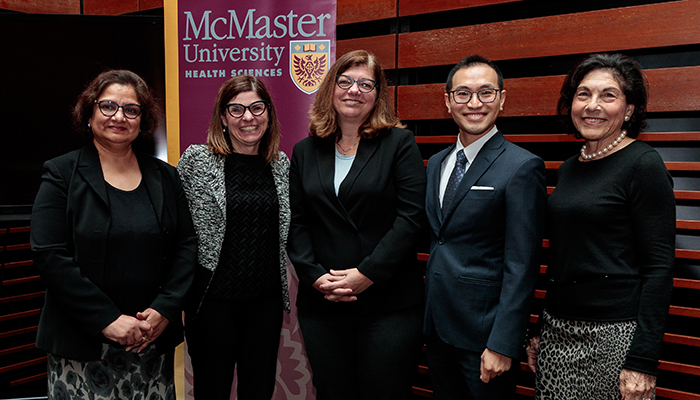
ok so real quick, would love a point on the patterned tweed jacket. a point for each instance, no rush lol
(202, 175)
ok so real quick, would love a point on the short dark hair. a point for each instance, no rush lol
(469, 62)
(151, 113)
(219, 142)
(628, 75)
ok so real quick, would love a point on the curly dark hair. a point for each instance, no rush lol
(628, 75)
(151, 113)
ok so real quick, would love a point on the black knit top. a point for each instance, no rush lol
(249, 262)
(133, 250)
(612, 239)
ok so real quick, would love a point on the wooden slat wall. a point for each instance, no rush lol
(77, 7)
(367, 10)
(648, 26)
(417, 102)
(535, 43)
(21, 299)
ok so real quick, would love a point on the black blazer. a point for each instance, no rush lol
(372, 224)
(69, 228)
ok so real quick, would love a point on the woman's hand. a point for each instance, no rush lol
(636, 385)
(532, 348)
(335, 295)
(352, 279)
(127, 331)
(158, 324)
(342, 285)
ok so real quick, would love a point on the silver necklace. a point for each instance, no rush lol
(605, 149)
(345, 152)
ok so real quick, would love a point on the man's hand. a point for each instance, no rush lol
(493, 364)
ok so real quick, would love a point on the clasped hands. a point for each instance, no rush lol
(136, 332)
(342, 286)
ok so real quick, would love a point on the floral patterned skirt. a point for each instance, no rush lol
(117, 375)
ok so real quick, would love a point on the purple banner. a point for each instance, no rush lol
(288, 44)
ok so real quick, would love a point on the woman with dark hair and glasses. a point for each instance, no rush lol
(611, 222)
(238, 190)
(114, 243)
(357, 188)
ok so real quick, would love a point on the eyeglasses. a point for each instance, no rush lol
(108, 108)
(364, 85)
(237, 110)
(487, 95)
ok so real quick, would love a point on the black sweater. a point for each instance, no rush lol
(612, 239)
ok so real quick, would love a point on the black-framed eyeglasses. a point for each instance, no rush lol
(364, 85)
(486, 95)
(237, 110)
(108, 108)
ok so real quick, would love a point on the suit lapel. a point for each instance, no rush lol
(90, 169)
(154, 185)
(325, 161)
(365, 151)
(434, 179)
(483, 161)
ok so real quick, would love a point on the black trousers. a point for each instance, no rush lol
(226, 334)
(363, 357)
(455, 372)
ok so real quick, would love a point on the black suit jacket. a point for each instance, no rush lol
(484, 252)
(69, 232)
(372, 223)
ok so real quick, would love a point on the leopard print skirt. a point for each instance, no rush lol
(581, 359)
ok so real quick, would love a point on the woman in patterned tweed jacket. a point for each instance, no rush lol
(237, 186)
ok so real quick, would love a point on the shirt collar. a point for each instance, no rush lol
(473, 148)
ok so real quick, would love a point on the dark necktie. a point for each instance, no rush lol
(455, 179)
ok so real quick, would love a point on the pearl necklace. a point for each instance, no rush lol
(605, 149)
(345, 152)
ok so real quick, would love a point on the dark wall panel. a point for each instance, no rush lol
(46, 62)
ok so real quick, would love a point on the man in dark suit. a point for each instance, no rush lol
(485, 203)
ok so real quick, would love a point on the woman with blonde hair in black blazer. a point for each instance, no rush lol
(238, 190)
(357, 190)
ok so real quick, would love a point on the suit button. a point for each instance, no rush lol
(441, 241)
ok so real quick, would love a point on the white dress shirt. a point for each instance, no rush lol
(470, 152)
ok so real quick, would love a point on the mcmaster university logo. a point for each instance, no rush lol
(309, 63)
